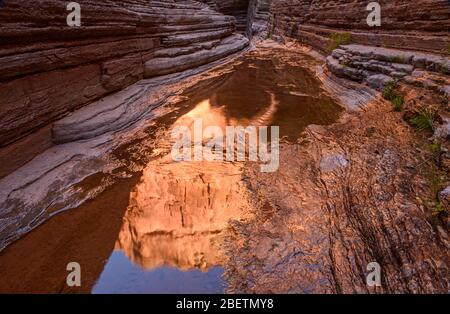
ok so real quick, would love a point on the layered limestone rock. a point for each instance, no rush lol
(258, 18)
(376, 66)
(416, 25)
(173, 60)
(236, 8)
(48, 69)
(252, 15)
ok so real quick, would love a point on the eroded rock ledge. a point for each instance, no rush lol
(48, 69)
(376, 66)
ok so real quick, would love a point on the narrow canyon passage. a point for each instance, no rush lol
(173, 227)
(346, 189)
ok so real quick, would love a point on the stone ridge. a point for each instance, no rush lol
(48, 69)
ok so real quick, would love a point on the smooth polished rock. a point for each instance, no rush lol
(48, 71)
(162, 66)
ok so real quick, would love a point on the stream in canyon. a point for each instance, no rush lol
(159, 227)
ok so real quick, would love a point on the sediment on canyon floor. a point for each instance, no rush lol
(81, 112)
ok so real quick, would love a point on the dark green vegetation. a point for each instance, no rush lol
(423, 119)
(390, 93)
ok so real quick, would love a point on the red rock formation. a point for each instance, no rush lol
(236, 8)
(48, 69)
(417, 25)
(251, 15)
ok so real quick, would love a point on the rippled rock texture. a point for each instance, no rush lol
(49, 69)
(236, 8)
(349, 195)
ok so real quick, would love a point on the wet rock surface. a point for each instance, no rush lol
(323, 217)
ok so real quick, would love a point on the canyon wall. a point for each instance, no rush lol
(258, 18)
(417, 25)
(251, 15)
(48, 69)
(236, 8)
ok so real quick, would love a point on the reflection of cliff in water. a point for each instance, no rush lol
(261, 90)
(177, 212)
(178, 209)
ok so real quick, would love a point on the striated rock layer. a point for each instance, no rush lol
(48, 69)
(418, 25)
(376, 66)
(258, 18)
(236, 8)
(252, 15)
